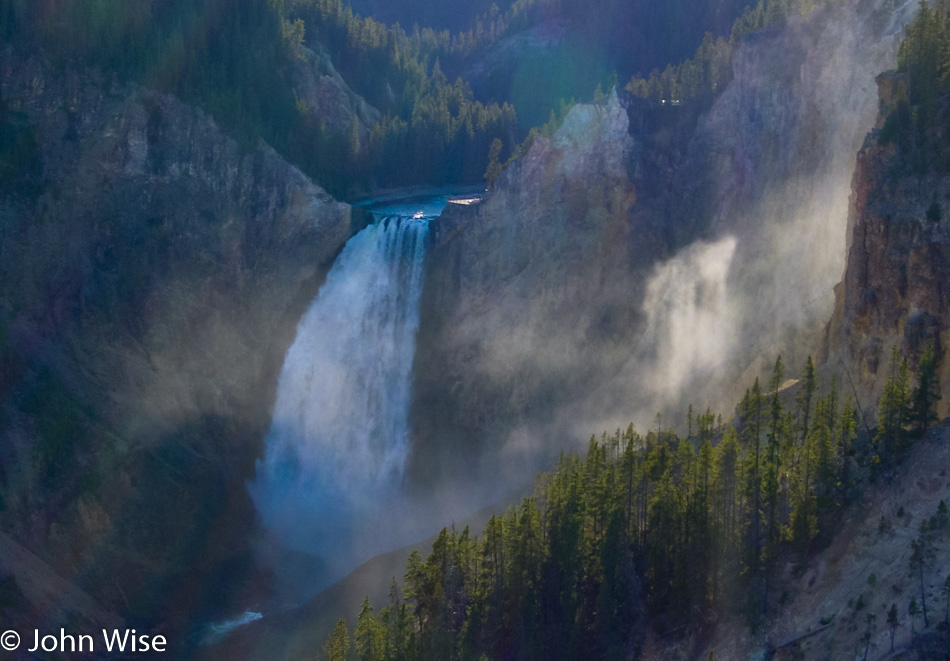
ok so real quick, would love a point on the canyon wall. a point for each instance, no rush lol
(504, 332)
(152, 273)
(645, 258)
(895, 291)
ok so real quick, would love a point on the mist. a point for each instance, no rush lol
(691, 318)
(781, 142)
(587, 292)
(330, 481)
(559, 292)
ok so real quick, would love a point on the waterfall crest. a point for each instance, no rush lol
(339, 437)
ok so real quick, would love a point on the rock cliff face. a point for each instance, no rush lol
(693, 249)
(896, 286)
(152, 272)
(503, 335)
(771, 164)
(326, 95)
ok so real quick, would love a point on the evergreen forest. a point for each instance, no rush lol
(662, 530)
(919, 118)
(236, 59)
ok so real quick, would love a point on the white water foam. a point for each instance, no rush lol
(330, 482)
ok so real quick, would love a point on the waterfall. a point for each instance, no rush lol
(330, 481)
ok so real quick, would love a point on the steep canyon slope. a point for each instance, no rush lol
(894, 291)
(640, 254)
(152, 272)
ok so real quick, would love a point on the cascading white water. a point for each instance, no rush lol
(330, 480)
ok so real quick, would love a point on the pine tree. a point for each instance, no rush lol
(847, 433)
(804, 524)
(778, 430)
(922, 557)
(751, 412)
(913, 610)
(893, 621)
(869, 619)
(775, 12)
(368, 638)
(927, 393)
(823, 447)
(667, 526)
(729, 478)
(804, 399)
(893, 407)
(494, 166)
(337, 646)
(701, 528)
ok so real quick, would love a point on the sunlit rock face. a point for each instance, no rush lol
(152, 272)
(523, 303)
(894, 290)
(778, 155)
(629, 261)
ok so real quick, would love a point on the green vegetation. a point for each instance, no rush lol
(919, 118)
(227, 57)
(653, 530)
(237, 60)
(923, 403)
(234, 60)
(710, 69)
(338, 645)
(433, 130)
(900, 407)
(893, 621)
(621, 36)
(924, 554)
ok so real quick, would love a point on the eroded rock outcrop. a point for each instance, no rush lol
(324, 93)
(631, 262)
(152, 272)
(896, 286)
(775, 155)
(522, 298)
